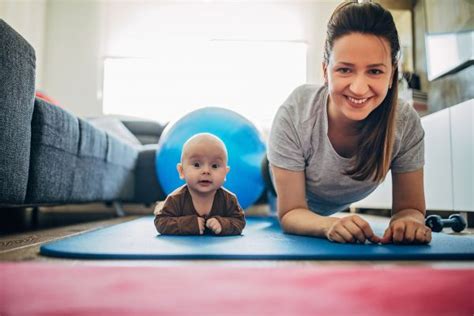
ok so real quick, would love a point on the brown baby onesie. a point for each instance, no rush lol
(179, 217)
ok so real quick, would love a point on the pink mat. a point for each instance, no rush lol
(54, 289)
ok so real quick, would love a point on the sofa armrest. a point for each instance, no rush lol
(147, 132)
(147, 188)
(17, 84)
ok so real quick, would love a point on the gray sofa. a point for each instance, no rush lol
(49, 156)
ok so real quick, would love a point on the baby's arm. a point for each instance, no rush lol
(234, 221)
(168, 221)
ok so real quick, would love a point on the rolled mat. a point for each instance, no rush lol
(56, 289)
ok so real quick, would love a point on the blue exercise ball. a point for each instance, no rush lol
(244, 143)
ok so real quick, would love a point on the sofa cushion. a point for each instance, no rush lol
(90, 161)
(54, 147)
(75, 162)
(114, 127)
(17, 82)
(120, 170)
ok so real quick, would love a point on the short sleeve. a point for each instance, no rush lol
(411, 155)
(284, 144)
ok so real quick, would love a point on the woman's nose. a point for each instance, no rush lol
(359, 85)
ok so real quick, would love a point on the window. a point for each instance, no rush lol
(252, 78)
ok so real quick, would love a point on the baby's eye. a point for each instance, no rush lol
(196, 165)
(215, 166)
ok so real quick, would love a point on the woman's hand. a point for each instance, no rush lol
(351, 229)
(407, 225)
(407, 230)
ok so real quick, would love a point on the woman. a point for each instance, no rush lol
(332, 145)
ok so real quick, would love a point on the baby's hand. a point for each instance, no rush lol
(201, 223)
(214, 225)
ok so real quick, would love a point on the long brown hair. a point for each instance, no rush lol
(373, 155)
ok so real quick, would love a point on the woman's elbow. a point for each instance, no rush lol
(283, 216)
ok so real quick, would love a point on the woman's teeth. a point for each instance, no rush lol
(357, 101)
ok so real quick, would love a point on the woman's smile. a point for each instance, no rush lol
(357, 102)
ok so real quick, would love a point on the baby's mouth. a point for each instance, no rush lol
(205, 181)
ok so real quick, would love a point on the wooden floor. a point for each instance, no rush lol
(24, 246)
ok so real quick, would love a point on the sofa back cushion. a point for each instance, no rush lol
(17, 84)
(74, 162)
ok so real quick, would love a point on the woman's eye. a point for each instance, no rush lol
(375, 71)
(344, 70)
(196, 164)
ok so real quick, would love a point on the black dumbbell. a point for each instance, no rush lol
(455, 221)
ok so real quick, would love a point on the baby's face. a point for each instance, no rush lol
(204, 166)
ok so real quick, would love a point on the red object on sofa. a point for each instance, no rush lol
(56, 289)
(46, 98)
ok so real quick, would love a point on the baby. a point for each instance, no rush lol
(202, 205)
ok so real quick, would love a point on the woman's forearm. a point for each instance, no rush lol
(304, 222)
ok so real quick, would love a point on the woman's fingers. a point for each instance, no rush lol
(387, 236)
(355, 231)
(409, 235)
(339, 233)
(398, 229)
(352, 229)
(420, 235)
(366, 229)
(423, 235)
(345, 234)
(407, 232)
(428, 236)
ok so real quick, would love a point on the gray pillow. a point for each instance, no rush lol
(115, 127)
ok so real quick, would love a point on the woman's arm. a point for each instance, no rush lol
(408, 210)
(296, 218)
(293, 212)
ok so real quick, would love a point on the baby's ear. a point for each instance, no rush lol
(179, 167)
(227, 169)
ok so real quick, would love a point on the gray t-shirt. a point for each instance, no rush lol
(299, 142)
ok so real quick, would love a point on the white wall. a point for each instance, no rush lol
(72, 64)
(74, 35)
(28, 19)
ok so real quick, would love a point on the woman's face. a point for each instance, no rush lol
(359, 74)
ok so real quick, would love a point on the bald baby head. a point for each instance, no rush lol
(204, 144)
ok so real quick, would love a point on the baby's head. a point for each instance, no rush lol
(203, 163)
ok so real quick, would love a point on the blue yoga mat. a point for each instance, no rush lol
(262, 239)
